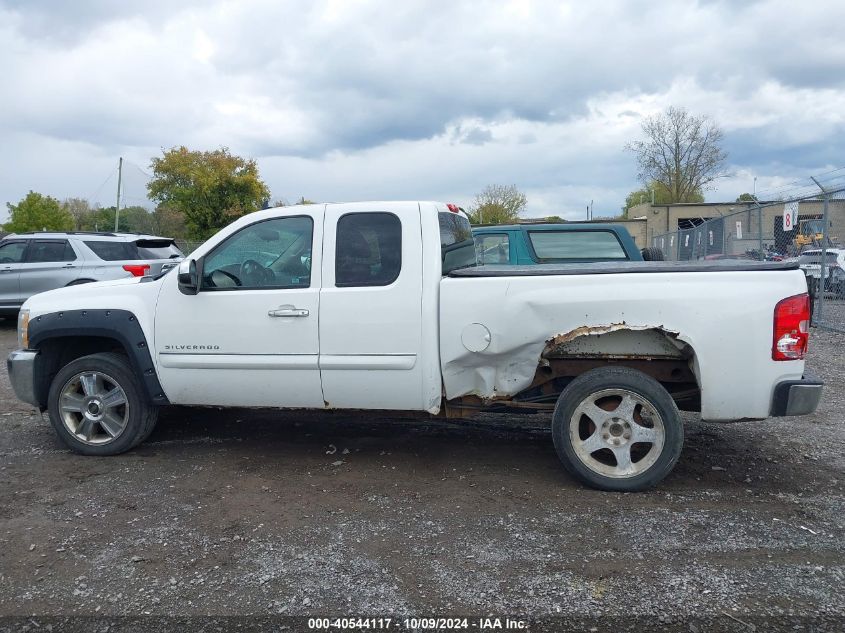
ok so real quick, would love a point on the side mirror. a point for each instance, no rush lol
(190, 274)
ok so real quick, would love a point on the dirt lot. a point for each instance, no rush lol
(231, 513)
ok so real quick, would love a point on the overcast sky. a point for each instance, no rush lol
(349, 100)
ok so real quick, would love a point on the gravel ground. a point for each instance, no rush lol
(243, 513)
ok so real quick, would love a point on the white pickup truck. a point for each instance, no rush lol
(380, 305)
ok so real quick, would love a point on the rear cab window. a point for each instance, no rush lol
(457, 248)
(563, 246)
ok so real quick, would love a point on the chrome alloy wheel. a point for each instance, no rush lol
(617, 433)
(93, 407)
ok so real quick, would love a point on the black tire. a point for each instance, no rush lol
(140, 419)
(639, 386)
(652, 254)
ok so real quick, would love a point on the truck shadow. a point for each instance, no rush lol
(728, 458)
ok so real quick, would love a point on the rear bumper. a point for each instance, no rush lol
(21, 365)
(797, 397)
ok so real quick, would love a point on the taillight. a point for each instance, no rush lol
(453, 207)
(791, 328)
(137, 270)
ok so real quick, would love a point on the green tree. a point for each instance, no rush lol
(211, 188)
(681, 152)
(135, 219)
(661, 196)
(497, 204)
(554, 219)
(98, 219)
(37, 212)
(746, 197)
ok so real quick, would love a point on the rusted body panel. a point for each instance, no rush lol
(707, 330)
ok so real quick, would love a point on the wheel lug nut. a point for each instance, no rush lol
(605, 436)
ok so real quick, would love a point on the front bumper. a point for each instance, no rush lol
(21, 365)
(797, 397)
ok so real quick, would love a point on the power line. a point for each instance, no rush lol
(100, 188)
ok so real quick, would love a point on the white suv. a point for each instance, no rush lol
(834, 274)
(35, 262)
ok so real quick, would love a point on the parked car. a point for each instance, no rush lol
(834, 274)
(380, 305)
(531, 244)
(34, 262)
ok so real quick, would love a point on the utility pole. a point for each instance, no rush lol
(117, 206)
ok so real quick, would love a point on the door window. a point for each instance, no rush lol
(270, 254)
(45, 252)
(493, 249)
(12, 252)
(369, 250)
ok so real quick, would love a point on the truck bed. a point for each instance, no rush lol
(608, 268)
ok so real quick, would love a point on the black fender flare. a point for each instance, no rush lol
(119, 325)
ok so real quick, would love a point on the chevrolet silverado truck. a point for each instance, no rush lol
(381, 305)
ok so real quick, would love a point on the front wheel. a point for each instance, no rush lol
(97, 405)
(617, 429)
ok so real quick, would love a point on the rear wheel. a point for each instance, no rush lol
(97, 405)
(615, 428)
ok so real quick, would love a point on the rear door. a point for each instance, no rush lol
(49, 264)
(12, 254)
(370, 307)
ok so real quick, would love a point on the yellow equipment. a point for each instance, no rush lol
(810, 232)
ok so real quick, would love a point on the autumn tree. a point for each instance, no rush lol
(168, 222)
(498, 204)
(211, 188)
(80, 209)
(680, 152)
(37, 212)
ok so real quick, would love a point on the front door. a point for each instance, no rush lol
(11, 256)
(249, 337)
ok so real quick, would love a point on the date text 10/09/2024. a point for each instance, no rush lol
(417, 624)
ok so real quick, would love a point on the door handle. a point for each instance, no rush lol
(6, 270)
(288, 311)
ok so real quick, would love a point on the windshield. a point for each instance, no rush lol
(815, 257)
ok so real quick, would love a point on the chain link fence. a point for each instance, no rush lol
(803, 223)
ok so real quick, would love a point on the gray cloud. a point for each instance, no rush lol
(325, 89)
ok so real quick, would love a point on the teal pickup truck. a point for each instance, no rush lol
(531, 244)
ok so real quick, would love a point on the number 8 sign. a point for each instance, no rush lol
(790, 215)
